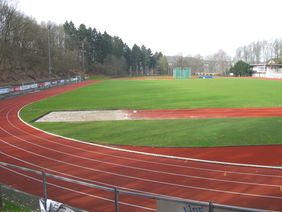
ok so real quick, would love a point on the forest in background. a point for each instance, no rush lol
(260, 52)
(82, 50)
(221, 63)
(25, 46)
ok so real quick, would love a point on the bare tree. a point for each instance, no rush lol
(219, 62)
(7, 14)
(257, 51)
(276, 48)
(260, 51)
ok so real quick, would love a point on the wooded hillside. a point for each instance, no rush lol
(25, 45)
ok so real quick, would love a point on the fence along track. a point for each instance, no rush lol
(116, 191)
(15, 90)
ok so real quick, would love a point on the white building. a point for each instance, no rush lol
(269, 70)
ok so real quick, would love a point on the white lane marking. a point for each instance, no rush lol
(79, 192)
(37, 129)
(145, 180)
(138, 168)
(152, 154)
(128, 204)
(165, 164)
(84, 179)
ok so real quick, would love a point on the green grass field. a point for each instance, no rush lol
(9, 206)
(168, 94)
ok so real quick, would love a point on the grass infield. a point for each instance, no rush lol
(169, 94)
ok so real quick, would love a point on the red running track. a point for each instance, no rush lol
(225, 184)
(205, 113)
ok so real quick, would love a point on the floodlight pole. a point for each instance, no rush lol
(49, 53)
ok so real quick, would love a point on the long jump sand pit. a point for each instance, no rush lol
(79, 116)
(118, 115)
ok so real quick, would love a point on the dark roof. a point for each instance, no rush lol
(273, 65)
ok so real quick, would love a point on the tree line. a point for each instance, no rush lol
(74, 50)
(256, 53)
(24, 48)
(102, 53)
(260, 51)
(219, 62)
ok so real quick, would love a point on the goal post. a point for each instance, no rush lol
(181, 73)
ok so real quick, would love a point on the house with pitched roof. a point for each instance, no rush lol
(271, 69)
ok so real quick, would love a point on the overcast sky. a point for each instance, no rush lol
(189, 27)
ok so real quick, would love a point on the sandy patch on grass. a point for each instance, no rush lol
(79, 116)
(200, 113)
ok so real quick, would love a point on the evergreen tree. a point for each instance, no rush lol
(24, 50)
(127, 56)
(135, 59)
(72, 41)
(241, 69)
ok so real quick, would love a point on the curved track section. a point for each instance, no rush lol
(25, 146)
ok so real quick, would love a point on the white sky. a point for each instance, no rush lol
(189, 27)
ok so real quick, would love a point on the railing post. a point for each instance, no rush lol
(44, 189)
(116, 200)
(210, 207)
(1, 202)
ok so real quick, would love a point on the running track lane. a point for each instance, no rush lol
(26, 146)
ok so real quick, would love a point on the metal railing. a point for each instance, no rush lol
(209, 206)
(19, 89)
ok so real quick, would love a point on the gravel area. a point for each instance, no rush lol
(79, 116)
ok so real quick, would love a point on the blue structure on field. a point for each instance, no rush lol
(206, 77)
